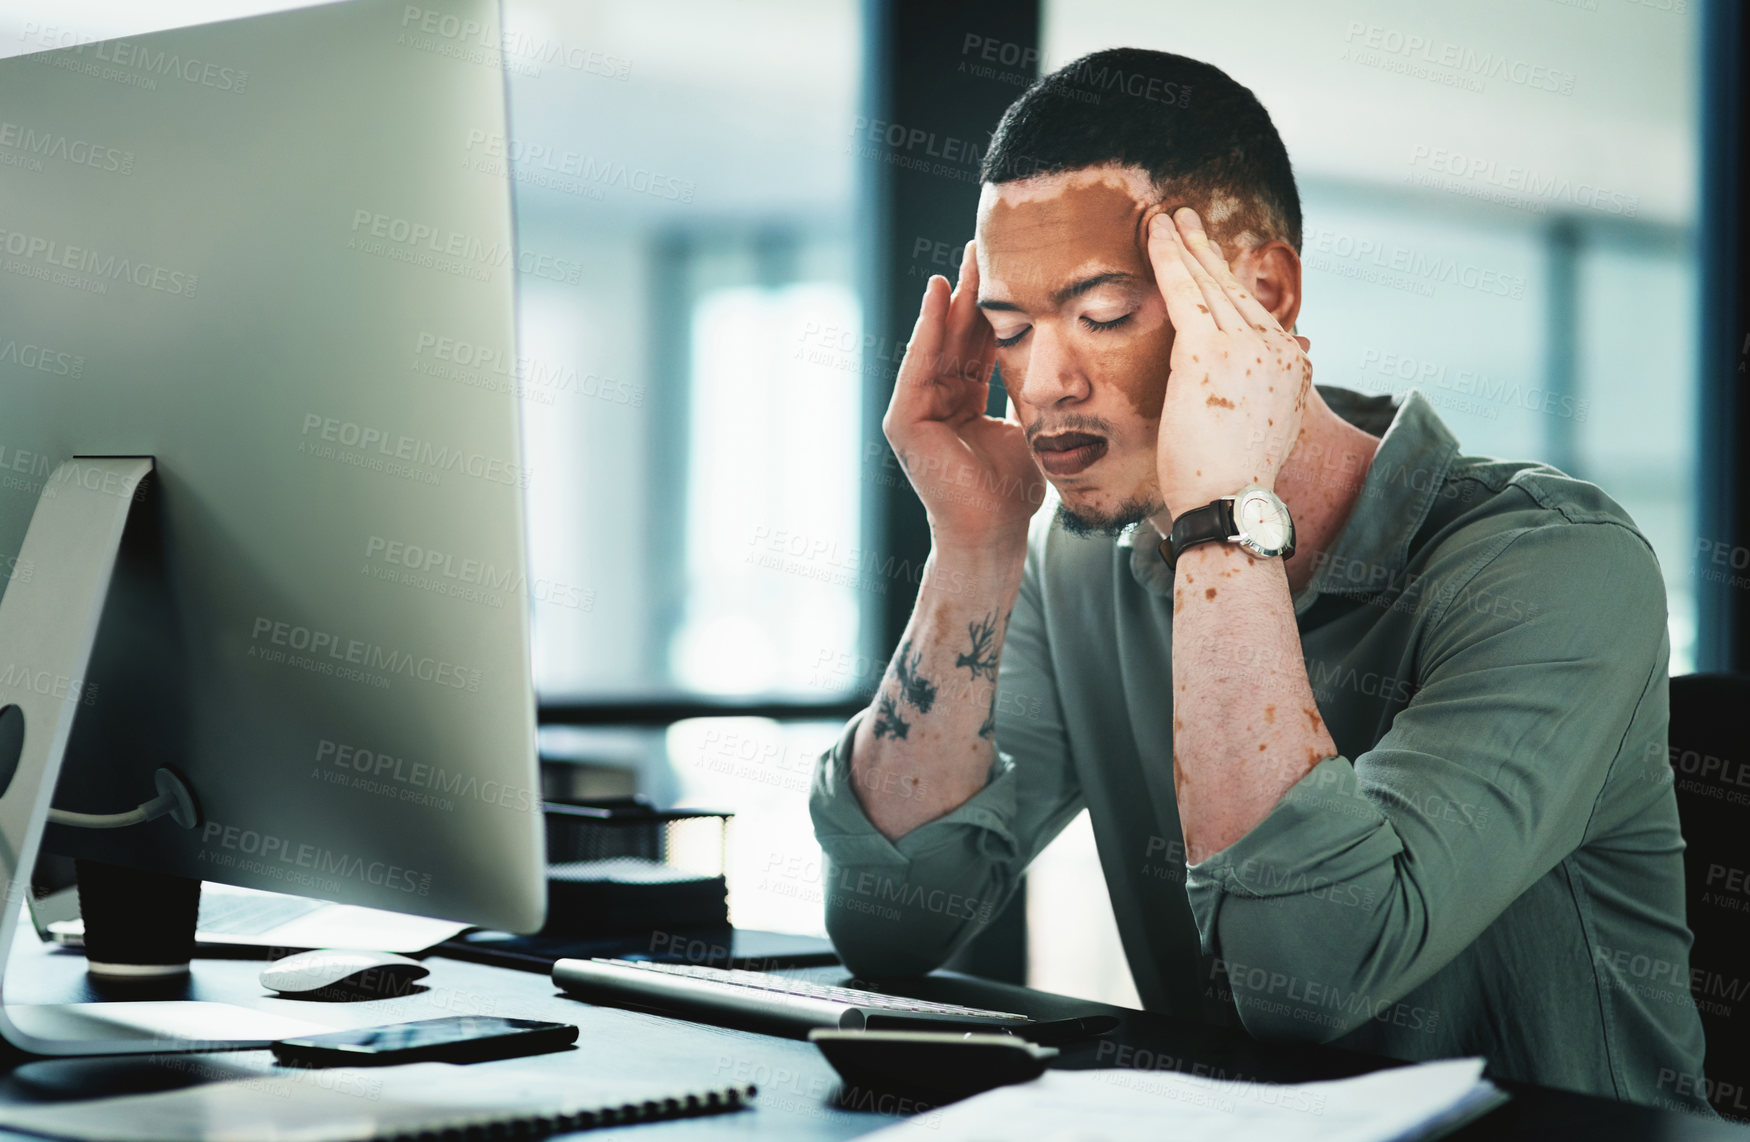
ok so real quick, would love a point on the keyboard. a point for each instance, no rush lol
(788, 1006)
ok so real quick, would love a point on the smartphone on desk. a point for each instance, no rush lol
(453, 1039)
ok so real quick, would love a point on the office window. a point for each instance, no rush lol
(695, 167)
(1636, 349)
(771, 590)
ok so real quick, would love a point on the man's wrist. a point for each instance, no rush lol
(977, 569)
(1204, 556)
(991, 553)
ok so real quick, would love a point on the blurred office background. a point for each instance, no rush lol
(1501, 209)
(722, 526)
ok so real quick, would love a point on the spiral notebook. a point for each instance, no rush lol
(355, 1104)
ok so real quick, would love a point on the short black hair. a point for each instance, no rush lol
(1186, 123)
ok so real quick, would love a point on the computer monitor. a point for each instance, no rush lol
(263, 260)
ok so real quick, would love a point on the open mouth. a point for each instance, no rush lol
(1066, 453)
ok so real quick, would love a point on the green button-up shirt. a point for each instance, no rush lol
(1492, 866)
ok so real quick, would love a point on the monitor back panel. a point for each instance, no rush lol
(254, 251)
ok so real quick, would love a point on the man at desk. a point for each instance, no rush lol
(1389, 770)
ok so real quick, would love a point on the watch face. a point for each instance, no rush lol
(1258, 517)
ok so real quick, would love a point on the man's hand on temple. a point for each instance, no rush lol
(974, 473)
(1239, 381)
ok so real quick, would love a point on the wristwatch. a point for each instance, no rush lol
(1252, 517)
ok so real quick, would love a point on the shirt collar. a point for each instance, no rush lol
(1372, 551)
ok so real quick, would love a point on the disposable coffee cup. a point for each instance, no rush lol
(139, 925)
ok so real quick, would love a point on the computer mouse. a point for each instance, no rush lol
(342, 974)
(935, 1065)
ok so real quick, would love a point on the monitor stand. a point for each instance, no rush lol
(48, 626)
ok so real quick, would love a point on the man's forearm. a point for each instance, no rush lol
(1245, 724)
(929, 739)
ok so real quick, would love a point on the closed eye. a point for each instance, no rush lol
(1097, 326)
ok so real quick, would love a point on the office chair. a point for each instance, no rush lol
(1710, 754)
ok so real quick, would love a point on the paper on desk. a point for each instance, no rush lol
(1093, 1106)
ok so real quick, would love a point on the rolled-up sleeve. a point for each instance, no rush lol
(903, 907)
(1530, 672)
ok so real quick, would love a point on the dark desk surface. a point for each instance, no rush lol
(797, 1089)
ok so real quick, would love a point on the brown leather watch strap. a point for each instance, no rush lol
(1212, 522)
